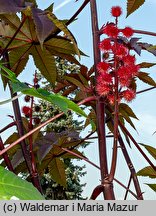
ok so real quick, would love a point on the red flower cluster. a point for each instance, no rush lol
(119, 64)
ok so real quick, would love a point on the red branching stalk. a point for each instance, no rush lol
(116, 116)
(6, 157)
(34, 171)
(42, 125)
(8, 126)
(20, 130)
(131, 168)
(100, 110)
(128, 186)
(137, 146)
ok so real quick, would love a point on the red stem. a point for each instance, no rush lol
(6, 157)
(145, 90)
(8, 126)
(137, 146)
(42, 125)
(128, 186)
(100, 110)
(116, 117)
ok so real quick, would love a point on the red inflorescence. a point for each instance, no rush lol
(116, 11)
(111, 30)
(103, 89)
(103, 67)
(105, 45)
(129, 95)
(119, 63)
(26, 110)
(127, 32)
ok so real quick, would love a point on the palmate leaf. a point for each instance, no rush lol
(57, 171)
(19, 58)
(63, 27)
(45, 63)
(9, 26)
(127, 109)
(146, 78)
(150, 149)
(44, 26)
(11, 6)
(148, 47)
(12, 186)
(133, 5)
(62, 102)
(72, 156)
(147, 171)
(146, 65)
(152, 186)
(61, 45)
(52, 140)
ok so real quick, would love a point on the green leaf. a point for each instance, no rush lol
(72, 156)
(127, 118)
(91, 116)
(146, 78)
(146, 65)
(13, 137)
(66, 31)
(127, 109)
(63, 102)
(57, 171)
(13, 186)
(18, 58)
(9, 26)
(11, 99)
(68, 57)
(150, 149)
(75, 82)
(45, 63)
(133, 5)
(50, 8)
(152, 186)
(147, 171)
(61, 45)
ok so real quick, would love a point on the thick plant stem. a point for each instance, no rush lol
(131, 168)
(6, 157)
(20, 129)
(116, 117)
(100, 111)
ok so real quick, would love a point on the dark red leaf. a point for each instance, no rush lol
(11, 6)
(44, 27)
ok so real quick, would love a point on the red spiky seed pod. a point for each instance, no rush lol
(129, 95)
(128, 32)
(116, 11)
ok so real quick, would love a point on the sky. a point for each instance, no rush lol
(144, 105)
